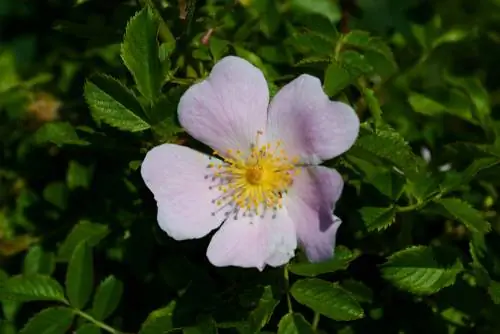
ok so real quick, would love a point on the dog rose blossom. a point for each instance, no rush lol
(263, 186)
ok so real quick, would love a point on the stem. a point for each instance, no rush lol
(315, 321)
(96, 322)
(287, 288)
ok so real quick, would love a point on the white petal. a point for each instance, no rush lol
(226, 110)
(177, 176)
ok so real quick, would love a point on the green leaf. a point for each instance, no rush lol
(80, 276)
(88, 329)
(37, 261)
(422, 269)
(387, 144)
(56, 193)
(53, 320)
(261, 315)
(358, 290)
(478, 96)
(311, 43)
(114, 104)
(159, 321)
(336, 79)
(294, 323)
(466, 214)
(140, 53)
(78, 175)
(32, 288)
(494, 291)
(355, 63)
(107, 298)
(10, 78)
(343, 256)
(326, 8)
(373, 105)
(163, 118)
(376, 218)
(206, 326)
(58, 133)
(327, 298)
(218, 47)
(83, 231)
(455, 181)
(363, 41)
(385, 180)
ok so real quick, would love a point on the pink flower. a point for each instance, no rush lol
(264, 187)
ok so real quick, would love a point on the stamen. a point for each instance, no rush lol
(253, 182)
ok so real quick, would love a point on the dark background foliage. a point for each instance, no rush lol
(80, 248)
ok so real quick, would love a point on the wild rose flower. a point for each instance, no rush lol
(263, 185)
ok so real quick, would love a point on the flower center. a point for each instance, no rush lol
(256, 181)
(254, 175)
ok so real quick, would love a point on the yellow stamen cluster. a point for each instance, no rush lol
(256, 180)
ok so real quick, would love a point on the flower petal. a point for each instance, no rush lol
(177, 176)
(310, 204)
(310, 125)
(254, 242)
(226, 110)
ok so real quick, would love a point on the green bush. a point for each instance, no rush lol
(88, 87)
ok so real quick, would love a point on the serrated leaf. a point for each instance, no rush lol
(422, 269)
(107, 298)
(466, 214)
(32, 288)
(386, 143)
(80, 276)
(355, 63)
(294, 323)
(140, 53)
(327, 298)
(376, 218)
(343, 256)
(88, 329)
(54, 320)
(38, 261)
(58, 133)
(363, 41)
(84, 230)
(336, 79)
(114, 104)
(159, 321)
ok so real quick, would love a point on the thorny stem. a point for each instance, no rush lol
(287, 288)
(98, 323)
(315, 321)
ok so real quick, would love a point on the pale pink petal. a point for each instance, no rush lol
(254, 242)
(226, 110)
(310, 204)
(179, 179)
(311, 126)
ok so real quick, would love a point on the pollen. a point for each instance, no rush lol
(254, 181)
